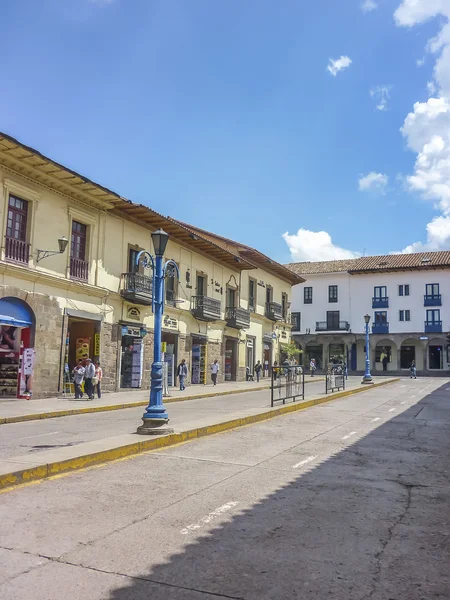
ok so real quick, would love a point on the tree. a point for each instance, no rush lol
(291, 350)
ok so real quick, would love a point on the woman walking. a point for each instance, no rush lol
(98, 379)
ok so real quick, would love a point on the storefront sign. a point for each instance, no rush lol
(249, 343)
(97, 344)
(423, 338)
(134, 313)
(134, 331)
(170, 322)
(267, 337)
(261, 284)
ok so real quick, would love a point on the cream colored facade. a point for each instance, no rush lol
(66, 308)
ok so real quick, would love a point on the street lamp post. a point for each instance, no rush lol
(367, 376)
(155, 418)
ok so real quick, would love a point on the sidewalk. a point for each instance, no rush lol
(190, 420)
(16, 411)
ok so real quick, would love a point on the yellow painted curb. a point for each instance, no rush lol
(43, 471)
(94, 409)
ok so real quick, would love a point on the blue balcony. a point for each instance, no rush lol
(380, 328)
(432, 300)
(380, 302)
(433, 326)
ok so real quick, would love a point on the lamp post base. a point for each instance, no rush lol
(367, 379)
(154, 427)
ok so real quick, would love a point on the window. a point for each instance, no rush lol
(16, 247)
(380, 291)
(404, 315)
(132, 256)
(252, 295)
(269, 294)
(332, 293)
(403, 290)
(296, 321)
(433, 316)
(78, 263)
(231, 297)
(171, 286)
(307, 295)
(380, 317)
(284, 304)
(201, 284)
(432, 289)
(333, 320)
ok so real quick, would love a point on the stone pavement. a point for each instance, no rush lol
(348, 501)
(41, 448)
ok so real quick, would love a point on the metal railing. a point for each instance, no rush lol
(204, 308)
(433, 326)
(288, 383)
(432, 300)
(380, 328)
(335, 378)
(237, 317)
(17, 250)
(338, 326)
(79, 269)
(380, 302)
(137, 283)
(274, 311)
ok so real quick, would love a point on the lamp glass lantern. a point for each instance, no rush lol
(160, 239)
(62, 243)
(367, 319)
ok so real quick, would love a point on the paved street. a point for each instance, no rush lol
(347, 500)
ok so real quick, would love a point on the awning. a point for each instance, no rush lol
(15, 312)
(82, 314)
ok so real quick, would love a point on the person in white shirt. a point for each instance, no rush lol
(78, 377)
(89, 374)
(214, 371)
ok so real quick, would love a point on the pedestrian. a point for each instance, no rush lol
(182, 372)
(214, 370)
(97, 381)
(89, 374)
(312, 366)
(413, 370)
(275, 370)
(258, 369)
(78, 377)
(345, 369)
(384, 360)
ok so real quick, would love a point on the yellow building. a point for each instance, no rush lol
(231, 302)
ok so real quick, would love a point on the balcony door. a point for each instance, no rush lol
(333, 320)
(201, 285)
(231, 298)
(433, 316)
(78, 262)
(380, 317)
(16, 248)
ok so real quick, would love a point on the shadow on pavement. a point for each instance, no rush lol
(372, 521)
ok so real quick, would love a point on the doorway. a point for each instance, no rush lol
(170, 355)
(250, 355)
(435, 357)
(230, 360)
(267, 359)
(407, 355)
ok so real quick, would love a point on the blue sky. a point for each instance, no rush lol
(224, 114)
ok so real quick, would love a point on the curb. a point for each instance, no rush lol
(8, 480)
(93, 409)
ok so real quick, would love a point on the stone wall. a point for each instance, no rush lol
(215, 350)
(109, 353)
(148, 360)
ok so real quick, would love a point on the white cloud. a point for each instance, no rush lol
(427, 128)
(337, 65)
(368, 6)
(308, 245)
(373, 182)
(420, 62)
(381, 93)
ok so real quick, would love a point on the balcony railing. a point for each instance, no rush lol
(380, 328)
(238, 318)
(205, 309)
(432, 300)
(136, 288)
(17, 251)
(79, 269)
(324, 326)
(274, 311)
(433, 326)
(380, 302)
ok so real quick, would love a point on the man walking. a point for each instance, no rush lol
(258, 369)
(182, 374)
(214, 371)
(89, 374)
(78, 376)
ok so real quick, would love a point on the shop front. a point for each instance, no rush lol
(267, 353)
(231, 354)
(132, 356)
(83, 337)
(199, 360)
(17, 355)
(250, 355)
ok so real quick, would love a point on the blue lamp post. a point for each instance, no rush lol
(155, 418)
(367, 376)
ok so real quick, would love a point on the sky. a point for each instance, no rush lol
(309, 129)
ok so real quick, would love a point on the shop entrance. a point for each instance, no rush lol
(435, 357)
(83, 340)
(170, 356)
(132, 358)
(17, 328)
(267, 358)
(199, 360)
(250, 356)
(230, 360)
(407, 355)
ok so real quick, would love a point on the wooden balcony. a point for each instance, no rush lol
(238, 318)
(205, 309)
(17, 251)
(274, 311)
(136, 288)
(79, 269)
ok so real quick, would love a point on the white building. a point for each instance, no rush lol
(407, 297)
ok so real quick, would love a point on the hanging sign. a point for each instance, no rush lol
(170, 322)
(134, 313)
